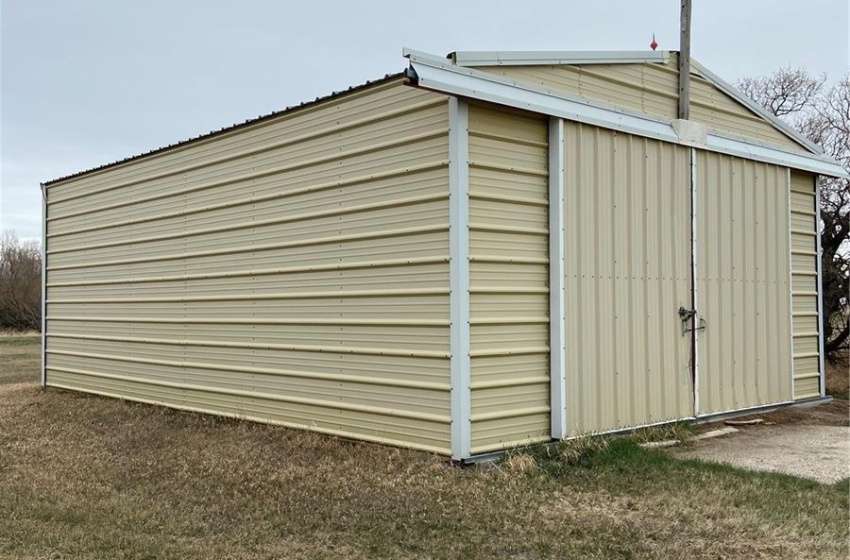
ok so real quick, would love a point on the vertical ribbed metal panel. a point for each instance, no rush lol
(650, 88)
(742, 283)
(293, 271)
(627, 232)
(509, 246)
(804, 286)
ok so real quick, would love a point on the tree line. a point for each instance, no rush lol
(821, 112)
(20, 283)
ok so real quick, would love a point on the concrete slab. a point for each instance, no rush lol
(820, 453)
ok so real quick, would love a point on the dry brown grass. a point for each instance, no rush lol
(89, 477)
(838, 379)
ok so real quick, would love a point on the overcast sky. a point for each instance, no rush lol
(86, 82)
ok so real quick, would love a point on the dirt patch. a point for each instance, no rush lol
(834, 413)
(799, 448)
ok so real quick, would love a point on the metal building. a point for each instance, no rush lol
(488, 250)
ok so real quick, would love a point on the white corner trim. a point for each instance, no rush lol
(557, 312)
(43, 376)
(461, 394)
(791, 282)
(545, 58)
(819, 257)
(740, 97)
(439, 74)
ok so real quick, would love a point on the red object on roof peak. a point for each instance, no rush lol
(654, 44)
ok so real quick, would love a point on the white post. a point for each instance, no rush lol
(557, 314)
(790, 281)
(461, 395)
(43, 285)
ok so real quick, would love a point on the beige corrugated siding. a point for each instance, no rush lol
(742, 283)
(804, 286)
(509, 246)
(293, 271)
(650, 88)
(627, 271)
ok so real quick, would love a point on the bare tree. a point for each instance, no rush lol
(20, 283)
(821, 112)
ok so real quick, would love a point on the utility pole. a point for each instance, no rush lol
(685, 61)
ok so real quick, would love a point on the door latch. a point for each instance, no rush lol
(688, 316)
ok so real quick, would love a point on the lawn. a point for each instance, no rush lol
(89, 477)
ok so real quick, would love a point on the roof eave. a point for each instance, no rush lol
(228, 129)
(739, 96)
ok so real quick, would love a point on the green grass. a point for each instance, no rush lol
(89, 477)
(20, 340)
(21, 358)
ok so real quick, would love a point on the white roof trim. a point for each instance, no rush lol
(439, 74)
(759, 152)
(740, 97)
(545, 58)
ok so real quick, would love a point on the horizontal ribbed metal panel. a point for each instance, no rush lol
(509, 239)
(651, 88)
(627, 272)
(804, 286)
(294, 271)
(742, 283)
(647, 88)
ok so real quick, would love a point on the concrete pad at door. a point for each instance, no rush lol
(820, 453)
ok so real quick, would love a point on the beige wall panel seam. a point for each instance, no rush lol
(262, 297)
(266, 247)
(264, 371)
(334, 212)
(276, 196)
(262, 272)
(256, 418)
(290, 141)
(219, 344)
(331, 158)
(445, 419)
